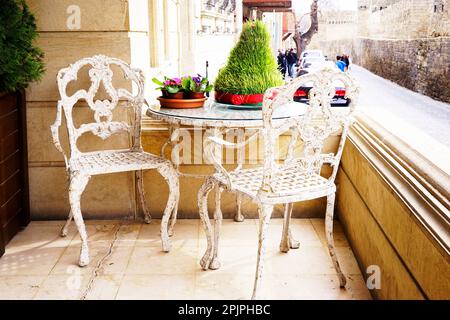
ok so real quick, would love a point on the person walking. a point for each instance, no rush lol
(291, 62)
(340, 64)
(346, 60)
(282, 63)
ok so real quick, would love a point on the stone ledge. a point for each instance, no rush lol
(422, 187)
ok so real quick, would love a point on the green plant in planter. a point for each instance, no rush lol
(170, 85)
(196, 84)
(20, 61)
(251, 66)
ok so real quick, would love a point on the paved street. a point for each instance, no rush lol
(382, 96)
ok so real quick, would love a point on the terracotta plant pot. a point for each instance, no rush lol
(194, 95)
(239, 99)
(168, 95)
(181, 103)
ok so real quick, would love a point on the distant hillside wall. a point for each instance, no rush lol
(406, 41)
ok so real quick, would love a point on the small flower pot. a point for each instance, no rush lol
(194, 95)
(168, 95)
(181, 103)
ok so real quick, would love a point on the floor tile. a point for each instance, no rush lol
(161, 287)
(347, 260)
(38, 235)
(123, 234)
(303, 232)
(30, 260)
(76, 286)
(307, 287)
(63, 287)
(305, 260)
(211, 285)
(186, 233)
(233, 260)
(19, 287)
(113, 261)
(338, 234)
(105, 287)
(234, 233)
(100, 233)
(152, 260)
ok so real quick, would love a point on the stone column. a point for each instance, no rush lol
(239, 14)
(188, 36)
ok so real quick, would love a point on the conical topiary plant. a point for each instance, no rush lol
(251, 68)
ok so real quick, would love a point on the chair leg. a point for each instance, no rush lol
(205, 189)
(285, 245)
(329, 234)
(265, 213)
(239, 217)
(140, 184)
(174, 215)
(215, 263)
(287, 241)
(78, 183)
(65, 228)
(171, 177)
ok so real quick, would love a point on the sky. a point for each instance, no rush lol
(302, 6)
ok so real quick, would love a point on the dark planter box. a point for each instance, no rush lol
(14, 198)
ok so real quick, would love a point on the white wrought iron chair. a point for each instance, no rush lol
(295, 179)
(82, 165)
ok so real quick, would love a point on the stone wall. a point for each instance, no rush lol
(422, 65)
(403, 19)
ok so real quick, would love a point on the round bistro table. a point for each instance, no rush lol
(217, 119)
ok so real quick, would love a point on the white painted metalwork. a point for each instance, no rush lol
(82, 165)
(298, 177)
(220, 119)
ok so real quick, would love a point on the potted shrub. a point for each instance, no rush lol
(171, 88)
(20, 64)
(195, 87)
(251, 68)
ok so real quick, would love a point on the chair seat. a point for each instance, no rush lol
(115, 161)
(291, 184)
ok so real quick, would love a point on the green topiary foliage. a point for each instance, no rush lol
(20, 61)
(251, 66)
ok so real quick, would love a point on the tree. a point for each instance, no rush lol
(302, 39)
(251, 66)
(20, 61)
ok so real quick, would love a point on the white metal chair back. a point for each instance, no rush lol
(104, 126)
(313, 128)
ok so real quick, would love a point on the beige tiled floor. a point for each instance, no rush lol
(127, 263)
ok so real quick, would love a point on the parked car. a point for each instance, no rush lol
(309, 65)
(311, 54)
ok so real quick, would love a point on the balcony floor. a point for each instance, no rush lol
(127, 263)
